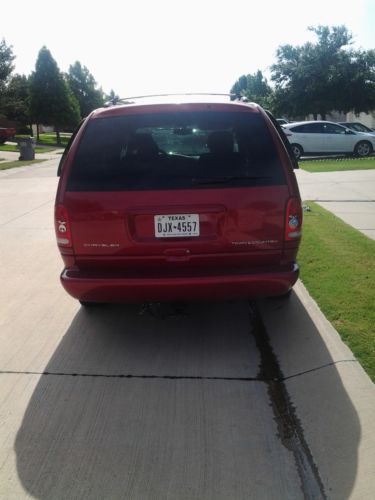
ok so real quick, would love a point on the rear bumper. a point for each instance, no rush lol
(112, 289)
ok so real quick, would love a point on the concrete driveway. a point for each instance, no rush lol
(349, 194)
(234, 400)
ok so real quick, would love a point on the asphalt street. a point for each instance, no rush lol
(233, 400)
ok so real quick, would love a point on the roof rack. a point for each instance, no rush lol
(130, 100)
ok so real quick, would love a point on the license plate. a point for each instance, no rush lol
(176, 226)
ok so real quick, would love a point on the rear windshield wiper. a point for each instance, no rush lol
(227, 179)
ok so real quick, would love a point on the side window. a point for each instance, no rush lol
(67, 147)
(358, 127)
(308, 128)
(314, 128)
(330, 128)
(297, 130)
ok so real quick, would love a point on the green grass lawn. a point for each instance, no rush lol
(46, 143)
(339, 164)
(13, 164)
(14, 148)
(338, 268)
(50, 140)
(8, 147)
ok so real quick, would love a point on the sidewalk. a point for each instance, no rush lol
(350, 195)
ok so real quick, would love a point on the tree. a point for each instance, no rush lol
(6, 61)
(83, 86)
(51, 99)
(240, 86)
(112, 97)
(356, 72)
(17, 100)
(319, 78)
(6, 68)
(255, 87)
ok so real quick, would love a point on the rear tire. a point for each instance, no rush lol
(85, 304)
(284, 297)
(297, 151)
(363, 149)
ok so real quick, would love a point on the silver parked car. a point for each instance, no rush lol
(358, 127)
(282, 121)
(322, 137)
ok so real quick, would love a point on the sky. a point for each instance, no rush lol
(151, 47)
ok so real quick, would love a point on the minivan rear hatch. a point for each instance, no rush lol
(177, 185)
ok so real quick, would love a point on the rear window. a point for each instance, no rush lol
(175, 151)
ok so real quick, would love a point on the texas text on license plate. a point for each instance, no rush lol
(177, 225)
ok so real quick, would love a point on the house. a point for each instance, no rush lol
(367, 119)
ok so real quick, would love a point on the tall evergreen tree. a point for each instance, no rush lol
(6, 67)
(51, 99)
(17, 100)
(112, 97)
(6, 61)
(240, 86)
(255, 87)
(83, 86)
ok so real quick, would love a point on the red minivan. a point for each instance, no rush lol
(185, 198)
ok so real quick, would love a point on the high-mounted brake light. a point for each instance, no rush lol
(62, 227)
(293, 219)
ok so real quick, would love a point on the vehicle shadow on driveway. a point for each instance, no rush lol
(167, 404)
(318, 371)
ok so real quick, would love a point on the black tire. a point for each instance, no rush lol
(363, 149)
(297, 151)
(284, 296)
(84, 303)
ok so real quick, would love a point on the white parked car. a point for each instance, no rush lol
(358, 127)
(282, 121)
(322, 137)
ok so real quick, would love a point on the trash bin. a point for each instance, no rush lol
(27, 149)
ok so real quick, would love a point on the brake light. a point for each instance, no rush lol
(293, 219)
(62, 227)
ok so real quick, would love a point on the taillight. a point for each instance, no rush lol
(293, 220)
(62, 227)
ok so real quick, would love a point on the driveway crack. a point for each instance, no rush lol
(258, 378)
(26, 213)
